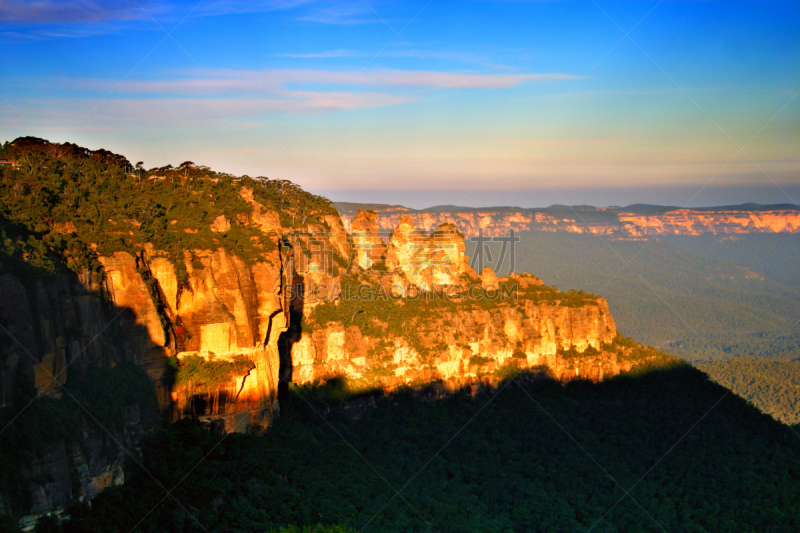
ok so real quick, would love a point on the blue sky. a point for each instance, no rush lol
(472, 103)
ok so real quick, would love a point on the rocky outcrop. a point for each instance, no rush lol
(468, 342)
(427, 261)
(464, 326)
(367, 245)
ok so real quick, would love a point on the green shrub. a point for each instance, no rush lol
(197, 371)
(479, 360)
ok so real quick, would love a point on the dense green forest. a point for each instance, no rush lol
(772, 386)
(777, 255)
(531, 455)
(692, 306)
(67, 203)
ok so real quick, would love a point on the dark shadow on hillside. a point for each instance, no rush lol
(523, 454)
(337, 395)
(294, 294)
(80, 384)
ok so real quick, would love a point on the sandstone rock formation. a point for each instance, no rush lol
(367, 245)
(691, 222)
(467, 339)
(144, 308)
(427, 261)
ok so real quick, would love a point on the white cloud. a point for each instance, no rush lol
(327, 54)
(277, 81)
(406, 51)
(357, 12)
(180, 114)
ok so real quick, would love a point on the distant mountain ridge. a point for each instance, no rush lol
(634, 222)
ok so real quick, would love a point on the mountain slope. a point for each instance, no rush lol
(776, 255)
(531, 456)
(772, 386)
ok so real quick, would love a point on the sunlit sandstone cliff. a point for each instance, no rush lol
(614, 222)
(142, 311)
(464, 343)
(224, 306)
(689, 222)
(430, 317)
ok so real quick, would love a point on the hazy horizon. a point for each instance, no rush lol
(666, 196)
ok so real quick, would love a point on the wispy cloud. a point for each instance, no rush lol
(314, 10)
(427, 78)
(343, 13)
(278, 80)
(180, 114)
(406, 52)
(75, 11)
(26, 18)
(323, 55)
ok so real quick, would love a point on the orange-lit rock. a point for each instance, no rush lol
(368, 247)
(266, 220)
(611, 222)
(129, 291)
(690, 222)
(520, 333)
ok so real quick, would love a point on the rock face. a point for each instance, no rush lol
(616, 223)
(128, 290)
(147, 307)
(464, 343)
(58, 323)
(690, 222)
(367, 244)
(224, 306)
(423, 260)
(66, 473)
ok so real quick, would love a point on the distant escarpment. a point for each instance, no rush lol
(125, 293)
(633, 222)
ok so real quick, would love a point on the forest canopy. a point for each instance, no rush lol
(69, 203)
